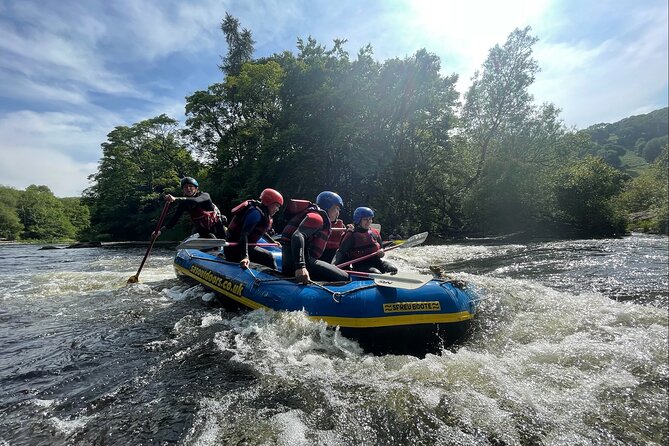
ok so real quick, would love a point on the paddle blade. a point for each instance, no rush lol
(406, 281)
(133, 279)
(414, 240)
(202, 243)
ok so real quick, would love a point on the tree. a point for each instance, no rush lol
(43, 216)
(138, 164)
(10, 225)
(498, 98)
(585, 192)
(240, 46)
(78, 214)
(509, 147)
(646, 197)
(653, 148)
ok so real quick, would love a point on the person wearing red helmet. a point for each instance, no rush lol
(362, 241)
(207, 220)
(250, 221)
(305, 237)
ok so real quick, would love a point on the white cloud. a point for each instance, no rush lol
(41, 59)
(462, 32)
(55, 149)
(158, 30)
(26, 165)
(605, 81)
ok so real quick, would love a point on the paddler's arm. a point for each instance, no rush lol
(199, 198)
(175, 217)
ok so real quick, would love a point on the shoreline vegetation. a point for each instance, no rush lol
(392, 135)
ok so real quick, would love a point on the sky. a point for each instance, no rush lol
(71, 70)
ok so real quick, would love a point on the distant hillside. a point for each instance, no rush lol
(628, 131)
(631, 143)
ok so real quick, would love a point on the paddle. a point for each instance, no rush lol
(154, 236)
(407, 281)
(210, 243)
(414, 240)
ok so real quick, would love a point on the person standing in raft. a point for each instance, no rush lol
(304, 238)
(251, 220)
(207, 219)
(363, 241)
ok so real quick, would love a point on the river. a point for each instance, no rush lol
(569, 347)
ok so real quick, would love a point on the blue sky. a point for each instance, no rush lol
(72, 70)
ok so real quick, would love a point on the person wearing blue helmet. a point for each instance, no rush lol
(363, 241)
(208, 221)
(305, 237)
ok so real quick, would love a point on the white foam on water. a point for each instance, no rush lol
(540, 363)
(284, 338)
(211, 320)
(42, 403)
(422, 257)
(181, 292)
(70, 426)
(292, 430)
(206, 428)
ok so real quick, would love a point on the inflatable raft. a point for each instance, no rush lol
(382, 316)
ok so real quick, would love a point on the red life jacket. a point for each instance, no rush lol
(204, 219)
(335, 237)
(237, 223)
(364, 243)
(316, 243)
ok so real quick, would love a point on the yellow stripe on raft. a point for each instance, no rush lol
(386, 321)
(351, 322)
(241, 299)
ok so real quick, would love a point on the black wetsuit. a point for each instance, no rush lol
(203, 201)
(296, 255)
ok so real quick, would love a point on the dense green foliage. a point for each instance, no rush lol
(10, 224)
(390, 135)
(585, 192)
(138, 164)
(647, 196)
(36, 214)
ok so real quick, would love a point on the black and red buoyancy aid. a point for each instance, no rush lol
(319, 238)
(237, 223)
(205, 219)
(364, 243)
(335, 238)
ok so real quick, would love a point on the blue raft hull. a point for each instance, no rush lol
(382, 319)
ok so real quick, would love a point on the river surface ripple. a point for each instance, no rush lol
(569, 347)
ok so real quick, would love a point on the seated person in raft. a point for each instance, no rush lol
(305, 236)
(363, 242)
(338, 229)
(250, 221)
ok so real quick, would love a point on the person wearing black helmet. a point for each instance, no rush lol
(251, 220)
(207, 220)
(363, 241)
(305, 236)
